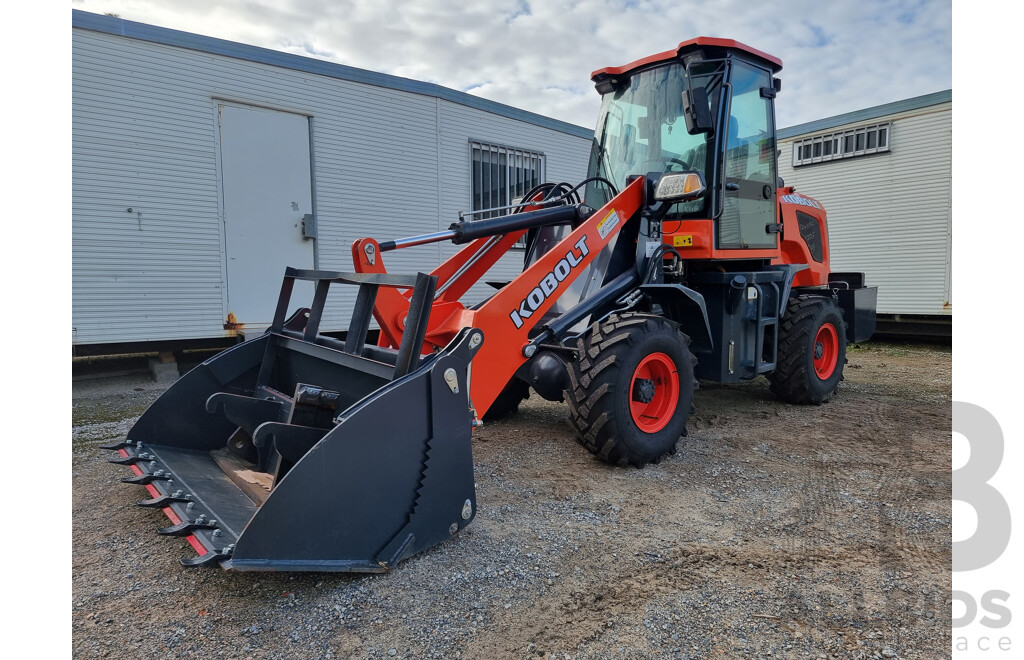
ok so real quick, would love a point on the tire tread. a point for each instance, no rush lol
(593, 388)
(793, 379)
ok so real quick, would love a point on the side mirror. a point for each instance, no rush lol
(679, 187)
(696, 111)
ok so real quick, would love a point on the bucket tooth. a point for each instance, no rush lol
(162, 501)
(211, 558)
(130, 459)
(146, 479)
(186, 527)
(114, 446)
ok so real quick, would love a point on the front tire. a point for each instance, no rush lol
(631, 389)
(812, 351)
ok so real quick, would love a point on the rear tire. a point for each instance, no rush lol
(812, 351)
(631, 389)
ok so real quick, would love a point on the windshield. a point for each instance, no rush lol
(641, 129)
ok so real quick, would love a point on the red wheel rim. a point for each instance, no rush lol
(651, 411)
(826, 351)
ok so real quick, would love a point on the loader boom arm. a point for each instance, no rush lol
(508, 317)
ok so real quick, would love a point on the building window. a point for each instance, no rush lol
(842, 144)
(502, 175)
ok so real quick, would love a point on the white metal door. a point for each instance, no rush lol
(265, 170)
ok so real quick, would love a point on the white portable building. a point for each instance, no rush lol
(884, 174)
(202, 168)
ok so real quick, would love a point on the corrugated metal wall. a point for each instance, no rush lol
(890, 214)
(564, 161)
(387, 164)
(146, 235)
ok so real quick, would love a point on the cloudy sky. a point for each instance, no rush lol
(838, 55)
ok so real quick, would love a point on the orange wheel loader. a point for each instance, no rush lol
(681, 257)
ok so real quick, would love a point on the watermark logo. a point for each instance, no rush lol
(970, 485)
(992, 534)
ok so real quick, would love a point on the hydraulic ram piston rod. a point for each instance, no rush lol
(399, 243)
(464, 232)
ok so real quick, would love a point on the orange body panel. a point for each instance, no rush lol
(794, 249)
(540, 283)
(392, 305)
(695, 239)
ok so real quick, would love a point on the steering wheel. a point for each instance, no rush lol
(658, 165)
(678, 161)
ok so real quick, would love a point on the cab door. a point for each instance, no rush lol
(749, 167)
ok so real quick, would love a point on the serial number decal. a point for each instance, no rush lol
(608, 223)
(682, 241)
(801, 200)
(549, 283)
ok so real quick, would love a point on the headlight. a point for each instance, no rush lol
(679, 187)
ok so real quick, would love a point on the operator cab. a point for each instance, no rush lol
(707, 106)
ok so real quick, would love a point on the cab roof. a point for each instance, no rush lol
(710, 44)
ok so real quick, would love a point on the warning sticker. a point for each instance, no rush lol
(608, 223)
(682, 241)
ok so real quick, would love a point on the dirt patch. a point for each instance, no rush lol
(798, 531)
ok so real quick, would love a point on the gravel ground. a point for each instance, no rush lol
(776, 531)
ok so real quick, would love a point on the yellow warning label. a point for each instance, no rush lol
(682, 241)
(608, 223)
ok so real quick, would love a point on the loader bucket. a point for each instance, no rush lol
(299, 452)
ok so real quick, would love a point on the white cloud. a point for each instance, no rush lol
(838, 56)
